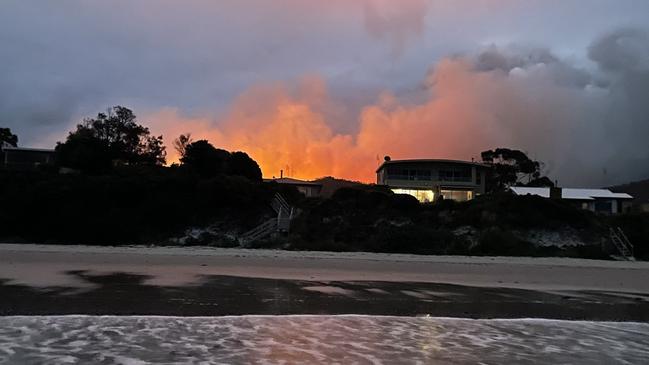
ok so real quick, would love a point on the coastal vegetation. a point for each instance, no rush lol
(8, 138)
(109, 139)
(372, 219)
(117, 190)
(155, 205)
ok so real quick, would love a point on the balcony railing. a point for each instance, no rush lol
(430, 178)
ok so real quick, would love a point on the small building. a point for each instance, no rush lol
(601, 201)
(26, 158)
(308, 188)
(640, 192)
(433, 179)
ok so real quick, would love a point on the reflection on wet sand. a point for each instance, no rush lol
(125, 293)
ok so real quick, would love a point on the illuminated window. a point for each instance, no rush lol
(424, 196)
(457, 195)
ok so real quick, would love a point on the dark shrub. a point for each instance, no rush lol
(130, 206)
(411, 239)
(495, 241)
(636, 228)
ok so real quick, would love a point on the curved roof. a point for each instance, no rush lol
(430, 161)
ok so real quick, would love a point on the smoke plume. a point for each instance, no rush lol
(590, 126)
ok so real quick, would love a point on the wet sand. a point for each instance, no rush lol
(208, 282)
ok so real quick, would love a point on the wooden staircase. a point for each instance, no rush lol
(263, 230)
(280, 224)
(622, 243)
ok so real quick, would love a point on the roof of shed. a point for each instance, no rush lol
(572, 194)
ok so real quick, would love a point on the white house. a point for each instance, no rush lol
(596, 200)
(429, 179)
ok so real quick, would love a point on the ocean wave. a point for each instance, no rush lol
(316, 339)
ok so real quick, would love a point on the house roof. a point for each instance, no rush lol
(542, 192)
(291, 181)
(27, 149)
(425, 161)
(572, 194)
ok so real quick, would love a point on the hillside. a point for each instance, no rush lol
(638, 189)
(331, 184)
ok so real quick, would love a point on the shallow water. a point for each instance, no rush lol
(316, 339)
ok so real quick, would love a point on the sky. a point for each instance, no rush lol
(318, 88)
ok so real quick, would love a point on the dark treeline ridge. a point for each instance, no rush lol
(128, 206)
(109, 185)
(372, 219)
(154, 205)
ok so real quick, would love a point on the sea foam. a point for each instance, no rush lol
(316, 339)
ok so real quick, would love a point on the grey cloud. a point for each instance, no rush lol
(514, 57)
(65, 60)
(603, 112)
(507, 59)
(397, 22)
(589, 124)
(624, 50)
(624, 56)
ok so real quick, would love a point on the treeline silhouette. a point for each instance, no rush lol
(128, 206)
(115, 188)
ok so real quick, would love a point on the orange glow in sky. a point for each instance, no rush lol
(284, 128)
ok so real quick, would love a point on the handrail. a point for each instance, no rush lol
(259, 231)
(622, 243)
(281, 223)
(626, 241)
(282, 202)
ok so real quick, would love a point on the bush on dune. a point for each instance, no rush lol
(370, 218)
(122, 208)
(508, 210)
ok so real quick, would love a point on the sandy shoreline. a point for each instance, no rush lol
(59, 280)
(367, 256)
(45, 265)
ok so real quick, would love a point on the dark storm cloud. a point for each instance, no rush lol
(623, 56)
(608, 124)
(67, 59)
(517, 57)
(625, 50)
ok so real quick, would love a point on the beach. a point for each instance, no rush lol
(140, 305)
(198, 281)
